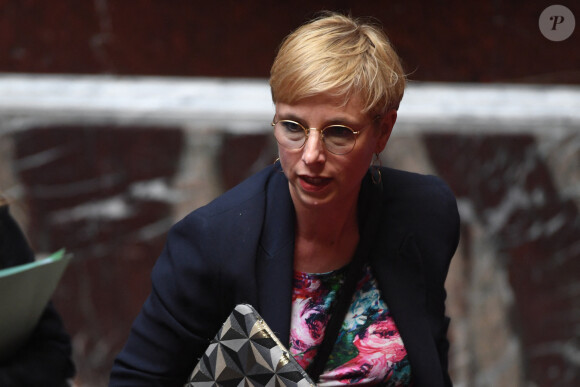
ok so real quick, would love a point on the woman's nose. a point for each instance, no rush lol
(314, 151)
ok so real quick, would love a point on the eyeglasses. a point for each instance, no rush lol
(338, 139)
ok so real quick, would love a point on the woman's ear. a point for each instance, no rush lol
(387, 122)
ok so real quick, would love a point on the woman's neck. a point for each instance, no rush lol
(325, 239)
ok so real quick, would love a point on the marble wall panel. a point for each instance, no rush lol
(451, 40)
(532, 230)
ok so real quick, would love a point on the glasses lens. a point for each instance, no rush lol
(339, 139)
(289, 134)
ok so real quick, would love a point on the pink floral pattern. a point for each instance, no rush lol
(369, 349)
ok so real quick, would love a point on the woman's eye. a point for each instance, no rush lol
(291, 126)
(338, 131)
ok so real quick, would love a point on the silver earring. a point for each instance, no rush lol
(376, 170)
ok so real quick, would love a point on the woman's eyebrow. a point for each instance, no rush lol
(289, 116)
(343, 121)
(339, 120)
(346, 121)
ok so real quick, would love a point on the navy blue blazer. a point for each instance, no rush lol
(240, 248)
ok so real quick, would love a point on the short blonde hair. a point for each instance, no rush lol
(341, 56)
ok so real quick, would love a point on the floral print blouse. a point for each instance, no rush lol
(369, 349)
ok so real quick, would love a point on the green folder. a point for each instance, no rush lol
(24, 293)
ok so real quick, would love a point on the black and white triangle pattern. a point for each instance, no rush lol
(245, 353)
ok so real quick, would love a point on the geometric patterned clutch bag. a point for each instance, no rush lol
(245, 352)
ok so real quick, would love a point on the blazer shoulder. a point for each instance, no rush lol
(421, 191)
(243, 194)
(396, 179)
(14, 246)
(237, 213)
(422, 203)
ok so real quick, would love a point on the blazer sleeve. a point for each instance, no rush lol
(48, 352)
(172, 329)
(439, 237)
(206, 267)
(422, 233)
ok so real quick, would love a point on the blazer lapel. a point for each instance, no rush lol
(274, 266)
(400, 275)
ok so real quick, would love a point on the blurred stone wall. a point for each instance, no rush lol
(105, 165)
(444, 40)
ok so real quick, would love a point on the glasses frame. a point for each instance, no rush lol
(307, 134)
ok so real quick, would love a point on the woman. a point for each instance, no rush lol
(46, 358)
(286, 239)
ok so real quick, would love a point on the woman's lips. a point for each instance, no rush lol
(313, 184)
